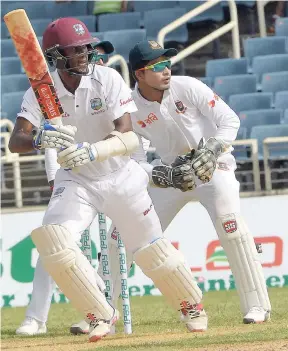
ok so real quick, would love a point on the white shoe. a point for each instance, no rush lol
(31, 327)
(80, 328)
(194, 317)
(256, 315)
(100, 328)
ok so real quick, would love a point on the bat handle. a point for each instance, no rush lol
(56, 121)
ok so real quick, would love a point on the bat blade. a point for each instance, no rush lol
(34, 63)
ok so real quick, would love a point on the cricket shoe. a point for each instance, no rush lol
(100, 327)
(256, 315)
(31, 326)
(80, 328)
(194, 317)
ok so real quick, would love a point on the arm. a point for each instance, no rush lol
(215, 109)
(21, 140)
(28, 134)
(204, 159)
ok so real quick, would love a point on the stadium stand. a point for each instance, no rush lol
(119, 21)
(264, 46)
(226, 67)
(281, 28)
(252, 118)
(236, 84)
(273, 82)
(252, 101)
(255, 86)
(10, 65)
(281, 100)
(154, 20)
(13, 83)
(270, 63)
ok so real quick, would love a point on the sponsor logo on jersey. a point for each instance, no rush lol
(124, 102)
(96, 104)
(230, 226)
(212, 102)
(149, 120)
(180, 107)
(58, 191)
(147, 211)
(223, 166)
(79, 29)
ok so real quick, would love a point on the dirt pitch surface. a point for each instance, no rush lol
(157, 328)
(80, 343)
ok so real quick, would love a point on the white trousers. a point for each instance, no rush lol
(75, 202)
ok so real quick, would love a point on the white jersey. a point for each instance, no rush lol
(100, 99)
(189, 111)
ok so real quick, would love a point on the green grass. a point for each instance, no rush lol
(156, 327)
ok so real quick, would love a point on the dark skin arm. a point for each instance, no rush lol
(21, 140)
(122, 125)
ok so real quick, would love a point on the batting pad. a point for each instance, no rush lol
(244, 262)
(70, 269)
(166, 266)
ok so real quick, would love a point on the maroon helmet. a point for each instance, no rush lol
(65, 33)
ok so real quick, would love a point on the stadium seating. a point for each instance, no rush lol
(11, 104)
(39, 25)
(252, 101)
(226, 67)
(119, 21)
(273, 82)
(281, 27)
(7, 48)
(89, 21)
(270, 63)
(10, 65)
(99, 35)
(238, 84)
(285, 119)
(206, 80)
(142, 6)
(70, 9)
(264, 46)
(281, 100)
(4, 31)
(155, 20)
(247, 3)
(253, 118)
(34, 9)
(215, 13)
(124, 42)
(273, 130)
(14, 82)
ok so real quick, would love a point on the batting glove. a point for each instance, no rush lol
(77, 155)
(53, 136)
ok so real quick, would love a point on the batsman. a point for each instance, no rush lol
(96, 139)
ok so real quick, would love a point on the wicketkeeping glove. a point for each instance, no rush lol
(179, 175)
(53, 136)
(204, 159)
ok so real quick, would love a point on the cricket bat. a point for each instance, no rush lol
(35, 65)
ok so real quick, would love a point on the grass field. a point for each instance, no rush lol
(157, 327)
